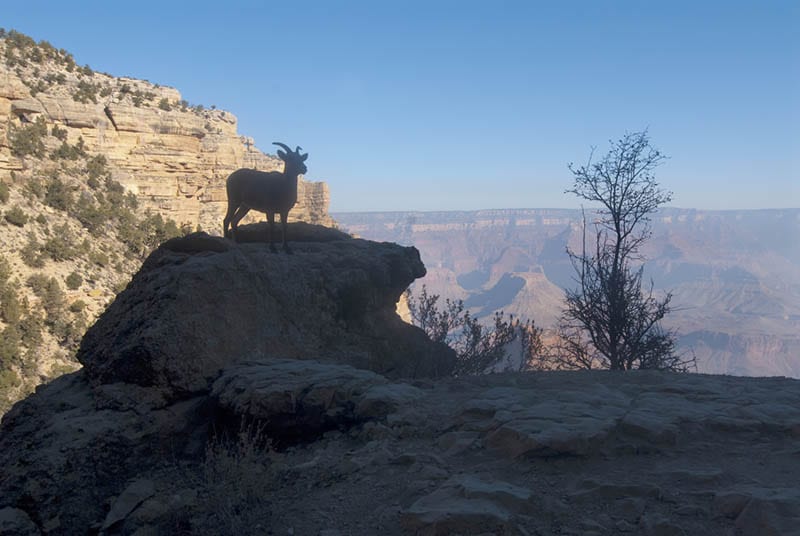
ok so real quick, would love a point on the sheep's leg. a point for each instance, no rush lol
(228, 217)
(286, 247)
(271, 219)
(240, 213)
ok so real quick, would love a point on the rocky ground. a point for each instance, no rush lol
(333, 441)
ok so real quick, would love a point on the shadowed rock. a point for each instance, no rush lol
(200, 303)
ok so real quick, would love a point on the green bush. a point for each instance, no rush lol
(90, 214)
(41, 219)
(59, 133)
(77, 306)
(16, 216)
(70, 333)
(10, 306)
(56, 78)
(54, 303)
(74, 281)
(37, 283)
(10, 350)
(58, 195)
(67, 152)
(60, 247)
(5, 270)
(8, 379)
(4, 192)
(164, 104)
(28, 140)
(96, 166)
(34, 188)
(31, 328)
(99, 258)
(86, 92)
(31, 253)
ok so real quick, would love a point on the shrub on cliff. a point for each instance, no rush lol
(59, 133)
(60, 246)
(58, 195)
(28, 140)
(10, 349)
(74, 281)
(53, 302)
(96, 167)
(4, 192)
(31, 253)
(16, 216)
(479, 348)
(86, 92)
(68, 152)
(31, 327)
(143, 235)
(10, 305)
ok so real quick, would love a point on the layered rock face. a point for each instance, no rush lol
(230, 390)
(173, 157)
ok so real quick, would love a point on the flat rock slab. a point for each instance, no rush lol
(466, 504)
(290, 395)
(574, 453)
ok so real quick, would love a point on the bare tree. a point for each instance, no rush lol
(610, 320)
(479, 348)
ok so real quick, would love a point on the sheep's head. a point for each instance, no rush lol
(292, 158)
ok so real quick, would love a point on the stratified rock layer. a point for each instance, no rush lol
(174, 158)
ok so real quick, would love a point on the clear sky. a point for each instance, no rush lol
(458, 105)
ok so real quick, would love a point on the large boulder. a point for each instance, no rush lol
(201, 303)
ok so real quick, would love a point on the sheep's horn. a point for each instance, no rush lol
(282, 145)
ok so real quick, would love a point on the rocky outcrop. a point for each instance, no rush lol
(173, 157)
(201, 303)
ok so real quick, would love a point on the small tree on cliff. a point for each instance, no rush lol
(611, 320)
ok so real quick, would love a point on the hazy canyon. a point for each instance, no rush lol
(735, 275)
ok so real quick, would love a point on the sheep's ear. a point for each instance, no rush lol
(303, 158)
(282, 154)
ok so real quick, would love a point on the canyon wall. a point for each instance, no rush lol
(173, 156)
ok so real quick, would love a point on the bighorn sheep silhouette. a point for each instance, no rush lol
(269, 192)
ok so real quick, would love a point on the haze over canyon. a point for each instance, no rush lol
(735, 275)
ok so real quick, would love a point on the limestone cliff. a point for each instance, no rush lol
(174, 157)
(95, 172)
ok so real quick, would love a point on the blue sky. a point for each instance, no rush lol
(457, 105)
